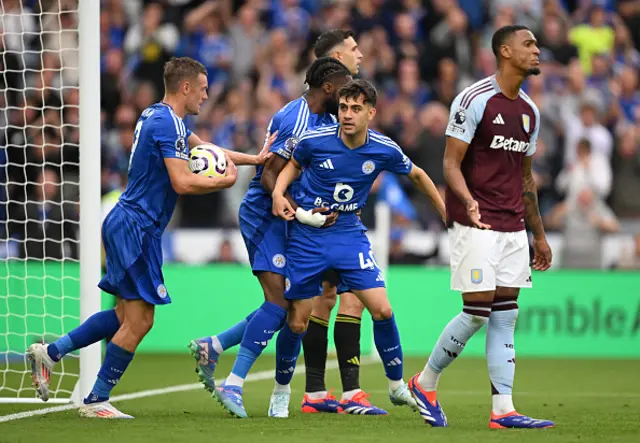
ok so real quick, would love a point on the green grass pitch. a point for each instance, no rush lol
(590, 401)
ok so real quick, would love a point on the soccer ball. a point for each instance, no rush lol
(208, 160)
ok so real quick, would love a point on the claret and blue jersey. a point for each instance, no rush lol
(339, 178)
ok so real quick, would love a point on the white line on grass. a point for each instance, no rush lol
(258, 376)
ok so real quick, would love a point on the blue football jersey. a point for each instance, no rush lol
(291, 121)
(149, 196)
(339, 178)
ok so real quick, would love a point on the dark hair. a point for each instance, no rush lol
(501, 36)
(356, 88)
(322, 69)
(329, 40)
(180, 69)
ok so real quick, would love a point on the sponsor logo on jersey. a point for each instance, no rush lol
(368, 167)
(279, 261)
(509, 144)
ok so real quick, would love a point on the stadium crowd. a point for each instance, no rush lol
(419, 53)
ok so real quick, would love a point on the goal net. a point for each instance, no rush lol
(39, 189)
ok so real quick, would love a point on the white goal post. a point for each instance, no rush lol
(50, 213)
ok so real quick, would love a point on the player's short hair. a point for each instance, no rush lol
(180, 69)
(356, 88)
(322, 69)
(502, 35)
(329, 40)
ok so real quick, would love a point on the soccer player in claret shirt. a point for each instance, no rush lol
(337, 166)
(491, 136)
(132, 233)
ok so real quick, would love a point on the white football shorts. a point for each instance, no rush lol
(481, 260)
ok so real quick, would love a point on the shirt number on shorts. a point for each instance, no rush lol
(369, 263)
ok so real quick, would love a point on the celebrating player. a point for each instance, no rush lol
(342, 46)
(265, 236)
(339, 164)
(491, 137)
(131, 234)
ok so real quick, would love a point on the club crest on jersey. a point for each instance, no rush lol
(526, 122)
(162, 291)
(476, 276)
(279, 261)
(181, 149)
(368, 167)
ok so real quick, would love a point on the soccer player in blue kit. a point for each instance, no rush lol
(337, 166)
(265, 236)
(131, 234)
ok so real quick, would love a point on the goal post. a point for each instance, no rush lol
(49, 190)
(90, 208)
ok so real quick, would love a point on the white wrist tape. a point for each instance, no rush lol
(308, 218)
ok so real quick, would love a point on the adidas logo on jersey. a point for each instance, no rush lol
(327, 164)
(508, 144)
(498, 120)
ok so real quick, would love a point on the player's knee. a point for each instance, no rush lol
(298, 325)
(382, 313)
(140, 326)
(350, 305)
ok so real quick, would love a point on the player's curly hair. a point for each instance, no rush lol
(322, 69)
(356, 88)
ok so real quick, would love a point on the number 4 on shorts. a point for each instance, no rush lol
(369, 263)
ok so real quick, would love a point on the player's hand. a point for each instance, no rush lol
(330, 218)
(232, 169)
(541, 255)
(264, 153)
(473, 211)
(282, 208)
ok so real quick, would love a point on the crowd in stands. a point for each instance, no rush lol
(419, 53)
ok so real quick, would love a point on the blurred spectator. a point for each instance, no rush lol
(149, 44)
(630, 255)
(584, 219)
(625, 196)
(45, 225)
(591, 170)
(587, 126)
(594, 37)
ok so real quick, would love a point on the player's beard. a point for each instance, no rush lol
(533, 71)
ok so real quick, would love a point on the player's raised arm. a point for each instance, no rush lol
(239, 158)
(423, 182)
(186, 182)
